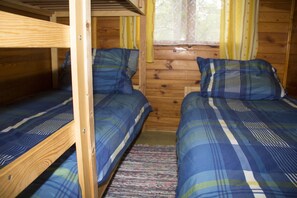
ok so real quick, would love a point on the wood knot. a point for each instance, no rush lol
(168, 65)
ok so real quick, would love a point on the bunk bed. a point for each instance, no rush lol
(78, 125)
(238, 133)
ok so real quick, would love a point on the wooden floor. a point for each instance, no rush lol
(156, 138)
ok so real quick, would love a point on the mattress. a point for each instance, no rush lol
(237, 148)
(26, 123)
(118, 120)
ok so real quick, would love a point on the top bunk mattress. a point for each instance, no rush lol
(240, 148)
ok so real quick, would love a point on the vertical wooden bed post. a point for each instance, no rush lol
(142, 57)
(289, 40)
(81, 60)
(94, 32)
(54, 59)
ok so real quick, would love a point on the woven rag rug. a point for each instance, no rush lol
(146, 171)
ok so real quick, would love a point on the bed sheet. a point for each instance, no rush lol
(26, 123)
(118, 120)
(235, 148)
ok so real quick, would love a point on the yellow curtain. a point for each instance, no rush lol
(239, 29)
(130, 31)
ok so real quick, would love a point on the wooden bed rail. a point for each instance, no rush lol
(16, 176)
(25, 32)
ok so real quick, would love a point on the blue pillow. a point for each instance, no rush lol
(109, 71)
(245, 80)
(112, 70)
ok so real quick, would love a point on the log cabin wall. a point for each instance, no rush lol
(292, 71)
(23, 71)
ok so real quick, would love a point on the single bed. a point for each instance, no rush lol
(235, 140)
(19, 31)
(119, 114)
(118, 120)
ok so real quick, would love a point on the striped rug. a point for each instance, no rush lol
(146, 171)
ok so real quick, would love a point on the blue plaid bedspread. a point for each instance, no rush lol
(235, 148)
(118, 119)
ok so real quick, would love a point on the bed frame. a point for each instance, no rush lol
(18, 31)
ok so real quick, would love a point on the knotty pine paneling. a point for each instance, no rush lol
(174, 68)
(274, 22)
(23, 72)
(108, 32)
(292, 70)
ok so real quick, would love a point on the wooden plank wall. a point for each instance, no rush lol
(292, 71)
(274, 21)
(175, 68)
(23, 71)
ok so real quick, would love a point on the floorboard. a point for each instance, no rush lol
(156, 138)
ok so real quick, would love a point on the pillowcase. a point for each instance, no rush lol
(110, 71)
(245, 80)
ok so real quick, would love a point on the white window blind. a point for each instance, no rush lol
(187, 22)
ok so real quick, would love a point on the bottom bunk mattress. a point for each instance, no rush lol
(235, 148)
(118, 120)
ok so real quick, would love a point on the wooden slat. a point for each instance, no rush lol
(101, 13)
(272, 58)
(275, 6)
(272, 49)
(273, 27)
(17, 175)
(173, 75)
(274, 17)
(170, 84)
(163, 92)
(173, 65)
(25, 7)
(272, 38)
(22, 32)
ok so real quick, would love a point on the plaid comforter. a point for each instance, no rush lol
(235, 148)
(118, 119)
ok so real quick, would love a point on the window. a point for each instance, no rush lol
(187, 22)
